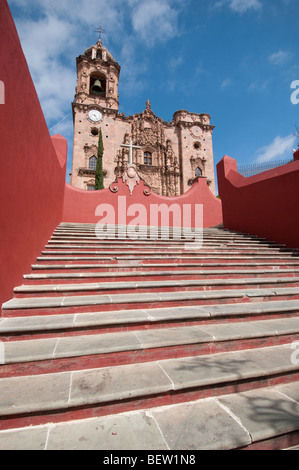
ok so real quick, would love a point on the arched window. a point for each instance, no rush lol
(148, 158)
(198, 172)
(92, 163)
(97, 85)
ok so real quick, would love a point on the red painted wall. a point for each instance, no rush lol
(80, 206)
(266, 205)
(32, 177)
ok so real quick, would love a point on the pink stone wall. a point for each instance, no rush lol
(81, 206)
(32, 177)
(266, 205)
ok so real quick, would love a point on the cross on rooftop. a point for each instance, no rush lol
(131, 147)
(100, 31)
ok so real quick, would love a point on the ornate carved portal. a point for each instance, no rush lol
(162, 173)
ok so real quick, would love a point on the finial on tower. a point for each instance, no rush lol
(148, 105)
(100, 31)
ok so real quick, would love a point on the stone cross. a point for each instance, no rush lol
(131, 147)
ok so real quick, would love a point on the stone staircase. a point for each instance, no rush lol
(122, 344)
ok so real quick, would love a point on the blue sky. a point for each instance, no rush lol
(233, 59)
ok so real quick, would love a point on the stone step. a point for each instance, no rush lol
(133, 385)
(160, 239)
(256, 419)
(194, 274)
(159, 285)
(141, 345)
(111, 328)
(139, 252)
(164, 258)
(178, 251)
(158, 299)
(121, 229)
(148, 229)
(137, 265)
(147, 242)
(150, 317)
(127, 249)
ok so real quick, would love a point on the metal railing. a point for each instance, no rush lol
(256, 168)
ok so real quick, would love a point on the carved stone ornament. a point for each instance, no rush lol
(131, 177)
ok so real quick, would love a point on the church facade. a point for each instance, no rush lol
(168, 156)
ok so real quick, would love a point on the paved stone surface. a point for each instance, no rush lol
(33, 438)
(291, 390)
(59, 322)
(172, 336)
(117, 383)
(264, 413)
(96, 344)
(203, 425)
(22, 351)
(203, 370)
(142, 274)
(48, 302)
(88, 344)
(69, 389)
(221, 423)
(252, 329)
(34, 393)
(54, 288)
(120, 432)
(225, 314)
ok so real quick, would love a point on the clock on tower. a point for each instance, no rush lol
(95, 106)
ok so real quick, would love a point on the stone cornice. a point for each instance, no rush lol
(88, 172)
(85, 107)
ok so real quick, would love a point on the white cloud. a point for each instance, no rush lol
(240, 6)
(54, 33)
(280, 147)
(226, 83)
(258, 86)
(132, 70)
(175, 62)
(155, 20)
(44, 42)
(280, 58)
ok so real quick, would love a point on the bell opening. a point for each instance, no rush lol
(98, 86)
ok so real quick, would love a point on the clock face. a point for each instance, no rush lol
(196, 130)
(95, 115)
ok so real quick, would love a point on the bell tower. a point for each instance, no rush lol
(96, 101)
(169, 156)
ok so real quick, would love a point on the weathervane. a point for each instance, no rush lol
(100, 31)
